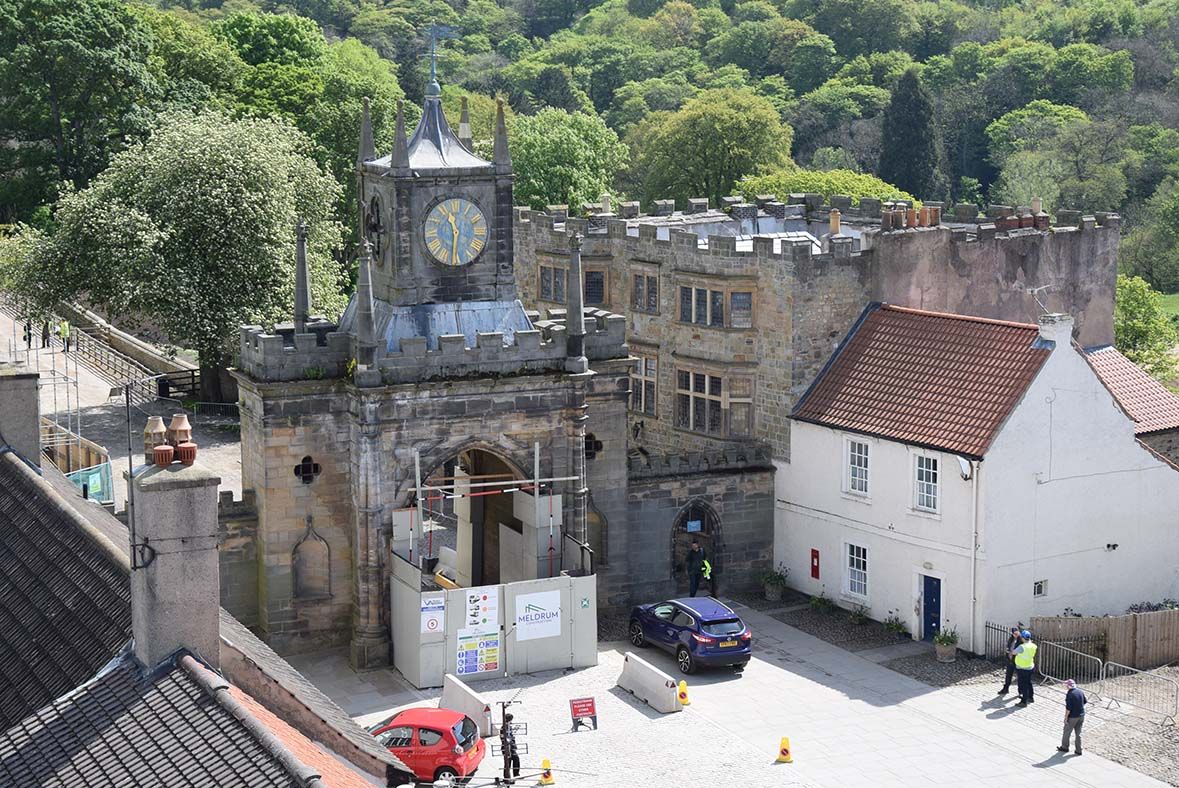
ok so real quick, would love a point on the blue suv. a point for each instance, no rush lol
(700, 631)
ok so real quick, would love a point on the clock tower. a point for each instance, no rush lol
(439, 218)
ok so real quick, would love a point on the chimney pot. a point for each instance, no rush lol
(833, 218)
(154, 434)
(186, 452)
(179, 430)
(162, 454)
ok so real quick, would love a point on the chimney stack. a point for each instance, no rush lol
(1056, 327)
(175, 579)
(20, 416)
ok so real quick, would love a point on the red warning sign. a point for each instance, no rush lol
(582, 709)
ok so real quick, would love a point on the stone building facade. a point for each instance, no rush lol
(732, 311)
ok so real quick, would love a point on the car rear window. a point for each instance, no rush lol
(728, 626)
(466, 732)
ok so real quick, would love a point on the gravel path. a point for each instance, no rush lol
(1131, 737)
(837, 627)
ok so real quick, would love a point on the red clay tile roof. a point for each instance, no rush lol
(925, 378)
(1144, 399)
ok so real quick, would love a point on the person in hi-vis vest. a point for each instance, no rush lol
(1025, 666)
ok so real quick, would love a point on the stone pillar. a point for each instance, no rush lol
(369, 647)
(302, 280)
(575, 360)
(175, 579)
(576, 491)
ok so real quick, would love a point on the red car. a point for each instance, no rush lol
(435, 743)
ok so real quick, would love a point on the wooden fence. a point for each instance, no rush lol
(1138, 640)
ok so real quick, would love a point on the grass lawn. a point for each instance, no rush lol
(1171, 304)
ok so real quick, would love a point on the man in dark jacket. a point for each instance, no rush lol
(1012, 642)
(1074, 715)
(695, 567)
(507, 748)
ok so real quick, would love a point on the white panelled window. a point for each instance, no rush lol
(856, 480)
(642, 385)
(926, 488)
(857, 570)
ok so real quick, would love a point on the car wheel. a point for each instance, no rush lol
(446, 773)
(683, 658)
(636, 635)
(739, 668)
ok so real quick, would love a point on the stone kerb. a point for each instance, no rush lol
(754, 456)
(267, 357)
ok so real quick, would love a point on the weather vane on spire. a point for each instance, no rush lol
(437, 32)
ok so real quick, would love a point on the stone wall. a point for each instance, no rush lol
(805, 302)
(1165, 442)
(237, 531)
(738, 486)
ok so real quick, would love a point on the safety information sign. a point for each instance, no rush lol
(433, 614)
(478, 652)
(482, 608)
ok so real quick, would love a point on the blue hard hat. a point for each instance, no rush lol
(1025, 634)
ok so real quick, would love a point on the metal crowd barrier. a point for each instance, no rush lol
(1141, 689)
(1057, 664)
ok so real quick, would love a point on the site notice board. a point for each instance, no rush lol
(478, 643)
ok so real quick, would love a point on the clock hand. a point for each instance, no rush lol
(454, 239)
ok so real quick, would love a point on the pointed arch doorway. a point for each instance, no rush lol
(695, 521)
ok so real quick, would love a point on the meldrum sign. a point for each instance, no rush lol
(538, 615)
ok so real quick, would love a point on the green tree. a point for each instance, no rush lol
(703, 149)
(911, 147)
(194, 230)
(1029, 127)
(74, 84)
(1142, 331)
(1151, 250)
(273, 38)
(563, 158)
(824, 182)
(861, 26)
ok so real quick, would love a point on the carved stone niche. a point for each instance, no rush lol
(311, 566)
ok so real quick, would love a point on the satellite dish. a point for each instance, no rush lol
(964, 465)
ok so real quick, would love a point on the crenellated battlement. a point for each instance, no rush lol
(745, 457)
(280, 355)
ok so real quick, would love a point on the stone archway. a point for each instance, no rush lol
(696, 520)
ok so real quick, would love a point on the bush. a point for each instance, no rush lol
(822, 603)
(1152, 607)
(894, 624)
(775, 577)
(825, 182)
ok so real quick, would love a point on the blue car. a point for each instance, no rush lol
(699, 631)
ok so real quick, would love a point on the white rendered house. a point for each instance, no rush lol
(952, 470)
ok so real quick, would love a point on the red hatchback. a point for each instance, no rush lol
(435, 743)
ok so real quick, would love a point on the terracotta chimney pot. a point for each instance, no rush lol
(179, 430)
(186, 452)
(162, 455)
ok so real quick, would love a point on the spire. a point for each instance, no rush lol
(465, 126)
(502, 158)
(400, 148)
(575, 360)
(366, 137)
(365, 325)
(433, 89)
(302, 280)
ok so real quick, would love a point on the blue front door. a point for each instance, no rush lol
(931, 609)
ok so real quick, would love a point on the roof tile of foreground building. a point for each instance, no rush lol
(177, 724)
(930, 379)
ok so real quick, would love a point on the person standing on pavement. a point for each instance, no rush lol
(507, 748)
(65, 336)
(1012, 642)
(1074, 715)
(44, 334)
(1025, 666)
(696, 562)
(29, 333)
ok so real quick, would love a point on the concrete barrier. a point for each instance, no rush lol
(457, 696)
(649, 684)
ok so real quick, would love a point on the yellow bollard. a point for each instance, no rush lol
(546, 773)
(784, 755)
(682, 694)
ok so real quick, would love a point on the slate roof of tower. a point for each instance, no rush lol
(928, 379)
(1148, 402)
(433, 145)
(179, 724)
(64, 598)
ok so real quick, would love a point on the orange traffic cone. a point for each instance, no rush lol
(546, 773)
(784, 755)
(682, 694)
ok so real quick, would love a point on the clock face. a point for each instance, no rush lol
(456, 231)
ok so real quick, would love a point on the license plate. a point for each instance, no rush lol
(727, 643)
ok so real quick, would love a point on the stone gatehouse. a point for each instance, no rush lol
(436, 398)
